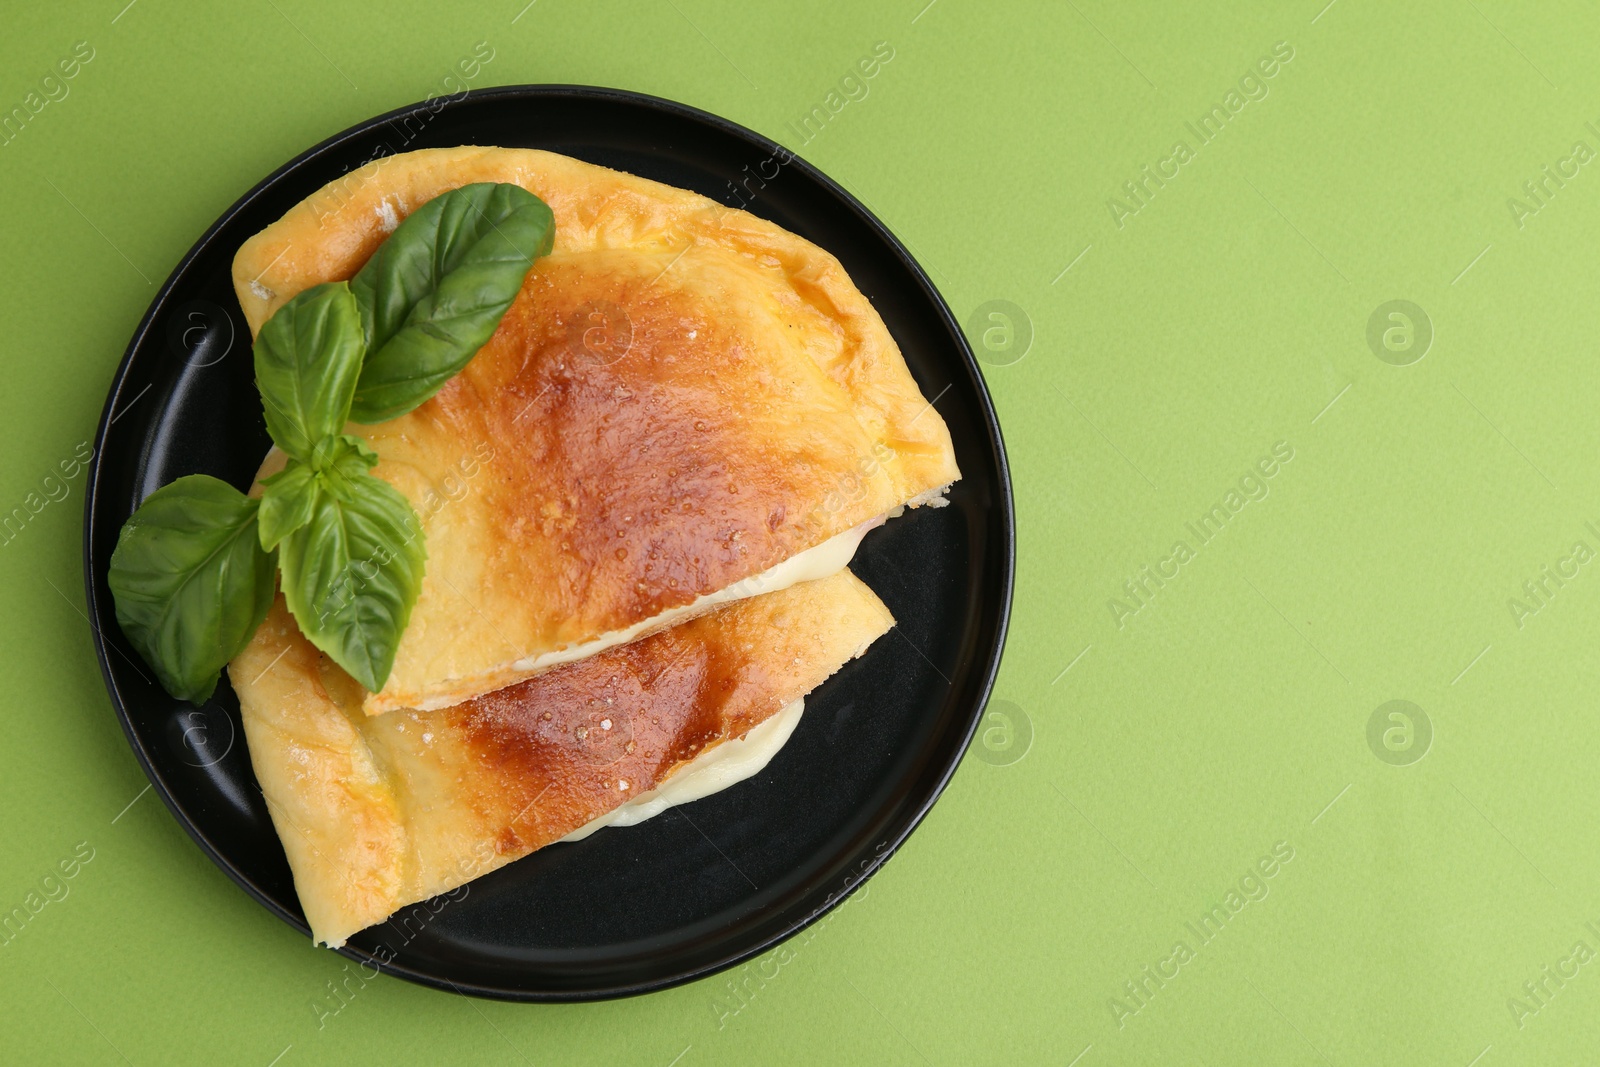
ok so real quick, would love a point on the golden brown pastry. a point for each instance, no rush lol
(685, 405)
(379, 812)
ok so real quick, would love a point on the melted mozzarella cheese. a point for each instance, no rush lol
(710, 772)
(819, 561)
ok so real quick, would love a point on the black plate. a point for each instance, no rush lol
(635, 909)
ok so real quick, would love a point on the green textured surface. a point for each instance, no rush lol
(1225, 715)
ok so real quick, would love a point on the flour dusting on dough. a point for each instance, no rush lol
(387, 217)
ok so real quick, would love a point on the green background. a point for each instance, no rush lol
(1107, 805)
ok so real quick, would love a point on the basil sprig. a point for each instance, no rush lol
(192, 573)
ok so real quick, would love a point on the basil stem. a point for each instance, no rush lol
(288, 498)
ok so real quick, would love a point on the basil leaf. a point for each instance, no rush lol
(437, 288)
(308, 358)
(352, 574)
(191, 581)
(286, 502)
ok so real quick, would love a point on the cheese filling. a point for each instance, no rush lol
(819, 561)
(710, 772)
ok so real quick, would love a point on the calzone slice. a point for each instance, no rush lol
(684, 406)
(378, 812)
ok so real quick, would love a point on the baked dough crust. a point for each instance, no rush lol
(682, 396)
(376, 813)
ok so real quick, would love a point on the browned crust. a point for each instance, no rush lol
(330, 234)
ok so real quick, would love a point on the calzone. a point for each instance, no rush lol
(685, 405)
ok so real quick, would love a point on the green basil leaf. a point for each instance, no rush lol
(437, 288)
(308, 359)
(191, 581)
(352, 574)
(347, 456)
(286, 502)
